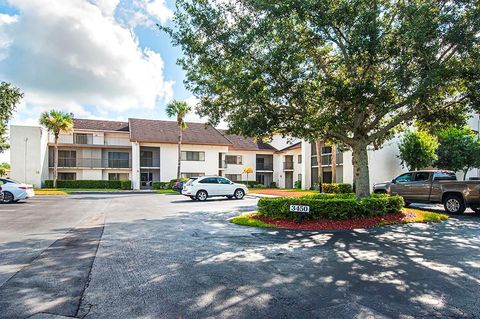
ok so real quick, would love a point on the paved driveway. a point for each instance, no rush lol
(161, 256)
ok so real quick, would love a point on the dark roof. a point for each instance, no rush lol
(99, 125)
(247, 143)
(292, 147)
(156, 131)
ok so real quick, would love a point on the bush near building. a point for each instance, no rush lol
(97, 184)
(342, 206)
(160, 185)
(337, 188)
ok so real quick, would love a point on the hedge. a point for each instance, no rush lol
(343, 206)
(337, 188)
(160, 185)
(125, 184)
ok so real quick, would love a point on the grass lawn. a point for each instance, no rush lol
(248, 220)
(65, 191)
(166, 191)
(408, 215)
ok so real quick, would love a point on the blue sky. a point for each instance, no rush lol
(95, 58)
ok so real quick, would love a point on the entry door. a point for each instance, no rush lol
(146, 179)
(288, 179)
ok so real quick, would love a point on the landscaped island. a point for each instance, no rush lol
(335, 211)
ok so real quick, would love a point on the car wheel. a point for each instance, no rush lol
(239, 194)
(202, 195)
(454, 204)
(8, 197)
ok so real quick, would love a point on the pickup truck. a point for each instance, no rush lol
(434, 186)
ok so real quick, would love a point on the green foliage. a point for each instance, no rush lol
(417, 150)
(96, 184)
(253, 184)
(353, 72)
(160, 185)
(56, 121)
(10, 97)
(298, 184)
(273, 185)
(248, 220)
(459, 149)
(337, 188)
(178, 110)
(344, 206)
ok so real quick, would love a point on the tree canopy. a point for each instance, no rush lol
(10, 97)
(56, 121)
(354, 72)
(459, 150)
(417, 150)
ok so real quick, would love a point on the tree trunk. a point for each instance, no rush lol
(180, 133)
(334, 163)
(55, 162)
(360, 170)
(465, 172)
(318, 146)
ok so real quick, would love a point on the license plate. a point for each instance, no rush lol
(299, 208)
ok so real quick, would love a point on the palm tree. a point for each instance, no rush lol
(55, 122)
(179, 110)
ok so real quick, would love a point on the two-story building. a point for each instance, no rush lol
(145, 151)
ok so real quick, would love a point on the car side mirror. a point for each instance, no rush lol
(393, 181)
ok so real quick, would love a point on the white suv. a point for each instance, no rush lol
(210, 186)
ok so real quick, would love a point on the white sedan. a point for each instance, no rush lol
(14, 191)
(210, 186)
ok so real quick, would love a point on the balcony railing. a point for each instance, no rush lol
(149, 162)
(91, 163)
(287, 165)
(264, 166)
(327, 160)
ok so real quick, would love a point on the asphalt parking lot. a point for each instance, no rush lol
(165, 256)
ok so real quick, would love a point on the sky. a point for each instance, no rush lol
(99, 59)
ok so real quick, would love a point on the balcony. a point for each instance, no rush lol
(150, 162)
(264, 166)
(91, 163)
(287, 166)
(327, 159)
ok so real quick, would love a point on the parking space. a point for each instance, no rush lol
(149, 255)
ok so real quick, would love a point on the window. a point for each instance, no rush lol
(299, 159)
(81, 138)
(209, 180)
(234, 177)
(118, 160)
(193, 156)
(326, 150)
(67, 176)
(222, 180)
(422, 176)
(190, 175)
(146, 158)
(117, 176)
(444, 176)
(67, 158)
(233, 159)
(407, 177)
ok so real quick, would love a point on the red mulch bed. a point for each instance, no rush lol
(329, 224)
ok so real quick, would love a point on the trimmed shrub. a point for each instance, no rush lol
(252, 184)
(298, 184)
(343, 206)
(337, 188)
(160, 185)
(126, 184)
(273, 185)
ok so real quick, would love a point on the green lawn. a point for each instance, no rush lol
(247, 220)
(166, 191)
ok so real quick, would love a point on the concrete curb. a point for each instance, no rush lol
(110, 192)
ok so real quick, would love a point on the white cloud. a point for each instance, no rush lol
(145, 13)
(72, 54)
(159, 10)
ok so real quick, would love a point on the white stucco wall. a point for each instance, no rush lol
(248, 160)
(28, 154)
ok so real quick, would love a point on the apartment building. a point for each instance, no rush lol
(145, 151)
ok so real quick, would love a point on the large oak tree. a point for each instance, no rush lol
(354, 72)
